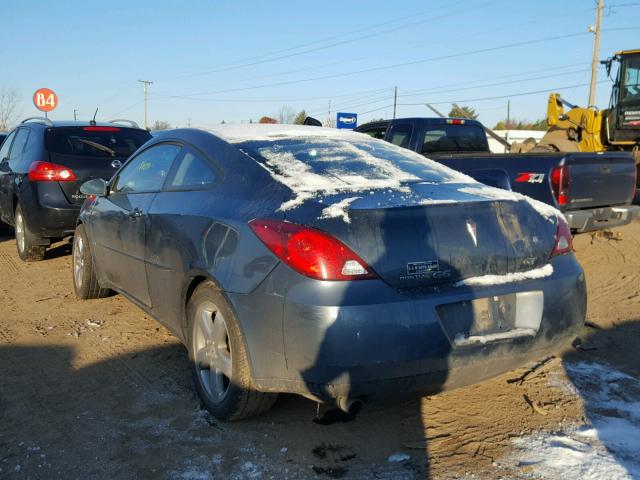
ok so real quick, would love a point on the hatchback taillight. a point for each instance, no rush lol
(564, 239)
(560, 182)
(50, 172)
(311, 252)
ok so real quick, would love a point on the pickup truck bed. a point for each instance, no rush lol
(593, 190)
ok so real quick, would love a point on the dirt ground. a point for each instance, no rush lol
(98, 389)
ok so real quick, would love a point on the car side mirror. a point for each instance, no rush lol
(97, 186)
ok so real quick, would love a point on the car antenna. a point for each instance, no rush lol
(93, 120)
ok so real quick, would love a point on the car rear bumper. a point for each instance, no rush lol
(57, 222)
(47, 212)
(599, 218)
(364, 339)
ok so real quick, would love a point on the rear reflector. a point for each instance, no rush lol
(311, 252)
(560, 181)
(564, 240)
(50, 172)
(101, 129)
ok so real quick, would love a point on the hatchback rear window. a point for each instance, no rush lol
(95, 141)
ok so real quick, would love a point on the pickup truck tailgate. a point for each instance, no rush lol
(598, 180)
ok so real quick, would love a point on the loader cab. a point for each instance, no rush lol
(623, 118)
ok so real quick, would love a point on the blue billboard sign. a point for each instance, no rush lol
(347, 120)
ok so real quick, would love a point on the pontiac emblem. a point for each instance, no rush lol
(473, 231)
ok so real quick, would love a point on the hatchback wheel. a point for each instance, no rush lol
(85, 281)
(219, 360)
(27, 242)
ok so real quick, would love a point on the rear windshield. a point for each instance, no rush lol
(95, 141)
(454, 138)
(317, 163)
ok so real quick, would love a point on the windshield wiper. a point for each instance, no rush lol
(98, 146)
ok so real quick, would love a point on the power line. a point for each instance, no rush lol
(397, 65)
(496, 84)
(522, 94)
(341, 42)
(473, 85)
(393, 51)
(498, 97)
(262, 100)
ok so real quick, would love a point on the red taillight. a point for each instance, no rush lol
(50, 172)
(560, 180)
(564, 240)
(455, 121)
(311, 252)
(101, 129)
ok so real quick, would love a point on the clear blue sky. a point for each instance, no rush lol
(197, 54)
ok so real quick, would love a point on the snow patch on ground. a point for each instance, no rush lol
(606, 448)
(339, 209)
(490, 280)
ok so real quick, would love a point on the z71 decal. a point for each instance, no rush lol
(530, 178)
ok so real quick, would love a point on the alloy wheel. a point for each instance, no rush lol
(212, 351)
(20, 232)
(78, 260)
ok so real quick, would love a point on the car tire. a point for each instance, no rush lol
(27, 243)
(219, 360)
(85, 281)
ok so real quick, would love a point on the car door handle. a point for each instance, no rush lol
(135, 213)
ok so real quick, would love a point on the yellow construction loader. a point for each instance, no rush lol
(588, 129)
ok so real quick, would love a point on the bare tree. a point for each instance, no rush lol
(160, 125)
(9, 112)
(286, 114)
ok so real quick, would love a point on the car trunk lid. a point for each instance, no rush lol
(416, 243)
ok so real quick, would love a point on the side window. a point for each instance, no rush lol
(147, 171)
(6, 145)
(18, 147)
(401, 134)
(31, 149)
(193, 171)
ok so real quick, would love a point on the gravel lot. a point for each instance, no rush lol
(98, 389)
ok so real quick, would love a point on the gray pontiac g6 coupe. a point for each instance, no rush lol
(327, 264)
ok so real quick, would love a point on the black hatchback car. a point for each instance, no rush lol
(42, 165)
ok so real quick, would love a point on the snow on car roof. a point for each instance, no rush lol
(267, 131)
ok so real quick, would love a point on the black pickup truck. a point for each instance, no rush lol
(593, 190)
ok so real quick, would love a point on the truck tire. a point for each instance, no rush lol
(27, 242)
(85, 281)
(219, 360)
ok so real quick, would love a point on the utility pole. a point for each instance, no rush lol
(146, 84)
(395, 101)
(508, 114)
(596, 54)
(329, 122)
(75, 114)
